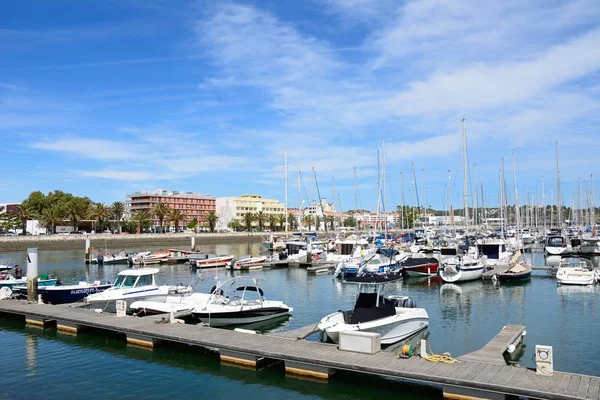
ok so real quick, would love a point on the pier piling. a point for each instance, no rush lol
(32, 274)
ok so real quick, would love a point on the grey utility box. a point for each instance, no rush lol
(360, 342)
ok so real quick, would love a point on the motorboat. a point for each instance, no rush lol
(395, 318)
(200, 260)
(420, 266)
(273, 243)
(61, 294)
(590, 246)
(461, 268)
(238, 301)
(10, 281)
(108, 258)
(246, 262)
(131, 285)
(557, 245)
(581, 274)
(179, 299)
(494, 250)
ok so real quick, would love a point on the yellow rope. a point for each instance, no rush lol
(445, 358)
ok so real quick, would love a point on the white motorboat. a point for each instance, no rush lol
(461, 268)
(557, 245)
(131, 285)
(238, 301)
(395, 318)
(200, 260)
(180, 298)
(581, 274)
(590, 246)
(247, 262)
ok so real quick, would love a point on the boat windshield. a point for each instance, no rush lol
(125, 281)
(556, 241)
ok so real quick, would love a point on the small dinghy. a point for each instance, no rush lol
(516, 270)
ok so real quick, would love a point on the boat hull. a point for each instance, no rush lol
(555, 251)
(429, 269)
(450, 274)
(392, 329)
(70, 294)
(241, 317)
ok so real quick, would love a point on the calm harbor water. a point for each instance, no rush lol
(463, 318)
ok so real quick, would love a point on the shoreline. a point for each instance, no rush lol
(101, 240)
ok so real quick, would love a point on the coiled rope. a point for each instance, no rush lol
(445, 358)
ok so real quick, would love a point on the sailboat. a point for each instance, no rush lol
(463, 267)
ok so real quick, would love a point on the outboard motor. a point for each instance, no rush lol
(409, 302)
(339, 269)
(193, 264)
(100, 259)
(283, 255)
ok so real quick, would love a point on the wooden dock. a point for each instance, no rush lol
(471, 377)
(510, 335)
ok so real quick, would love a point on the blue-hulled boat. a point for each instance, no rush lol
(44, 280)
(61, 294)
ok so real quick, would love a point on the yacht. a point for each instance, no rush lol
(394, 317)
(494, 250)
(238, 301)
(461, 268)
(581, 274)
(557, 245)
(131, 285)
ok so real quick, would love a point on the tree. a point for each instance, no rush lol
(117, 211)
(331, 220)
(193, 224)
(260, 217)
(350, 222)
(24, 213)
(212, 219)
(142, 217)
(161, 210)
(292, 221)
(77, 209)
(235, 225)
(176, 215)
(248, 220)
(308, 220)
(101, 213)
(281, 221)
(50, 218)
(272, 221)
(317, 222)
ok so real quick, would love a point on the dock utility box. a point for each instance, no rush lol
(360, 342)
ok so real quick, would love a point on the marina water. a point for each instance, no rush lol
(463, 318)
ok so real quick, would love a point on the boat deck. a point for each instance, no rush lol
(469, 377)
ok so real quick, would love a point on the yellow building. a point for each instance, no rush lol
(235, 208)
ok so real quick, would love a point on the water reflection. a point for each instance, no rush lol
(31, 353)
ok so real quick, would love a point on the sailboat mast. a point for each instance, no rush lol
(285, 174)
(544, 202)
(516, 195)
(465, 183)
(412, 169)
(558, 191)
(476, 197)
(299, 204)
(402, 210)
(592, 207)
(322, 214)
(355, 200)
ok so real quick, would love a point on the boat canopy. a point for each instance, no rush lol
(139, 271)
(250, 289)
(387, 252)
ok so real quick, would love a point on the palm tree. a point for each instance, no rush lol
(272, 221)
(24, 213)
(248, 220)
(142, 217)
(77, 209)
(293, 223)
(260, 217)
(176, 215)
(117, 211)
(161, 210)
(212, 219)
(281, 221)
(50, 217)
(100, 213)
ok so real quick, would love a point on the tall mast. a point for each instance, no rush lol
(412, 169)
(285, 174)
(425, 194)
(501, 199)
(383, 199)
(450, 208)
(516, 195)
(322, 216)
(592, 207)
(378, 191)
(544, 202)
(355, 200)
(299, 204)
(476, 197)
(402, 210)
(558, 191)
(465, 183)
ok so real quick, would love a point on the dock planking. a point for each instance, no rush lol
(477, 376)
(493, 350)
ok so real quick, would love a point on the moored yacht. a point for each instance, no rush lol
(394, 317)
(557, 245)
(461, 268)
(494, 250)
(238, 301)
(131, 285)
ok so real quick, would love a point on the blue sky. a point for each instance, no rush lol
(102, 98)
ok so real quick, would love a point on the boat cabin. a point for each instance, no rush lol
(295, 247)
(131, 278)
(493, 250)
(556, 241)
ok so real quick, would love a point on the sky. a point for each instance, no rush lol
(105, 98)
